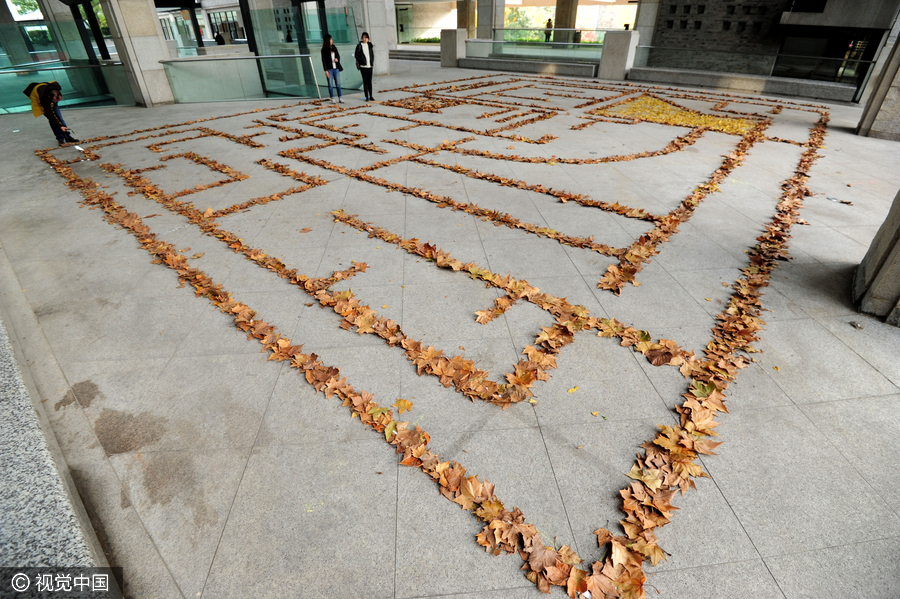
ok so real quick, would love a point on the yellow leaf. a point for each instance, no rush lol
(775, 367)
(573, 389)
(532, 401)
(594, 413)
(403, 405)
(384, 305)
(390, 430)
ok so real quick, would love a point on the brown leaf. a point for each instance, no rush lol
(540, 557)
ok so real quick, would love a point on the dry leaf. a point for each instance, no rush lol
(403, 405)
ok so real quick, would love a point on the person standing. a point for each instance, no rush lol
(364, 62)
(45, 99)
(548, 30)
(331, 62)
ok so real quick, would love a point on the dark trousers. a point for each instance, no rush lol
(367, 81)
(57, 130)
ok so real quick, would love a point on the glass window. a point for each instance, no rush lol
(167, 29)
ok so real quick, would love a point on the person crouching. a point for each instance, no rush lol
(45, 99)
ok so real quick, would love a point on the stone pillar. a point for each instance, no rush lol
(884, 54)
(881, 118)
(618, 53)
(564, 18)
(379, 20)
(645, 23)
(876, 286)
(453, 46)
(465, 17)
(140, 43)
(490, 16)
(12, 37)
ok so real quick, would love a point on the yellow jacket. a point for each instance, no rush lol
(37, 93)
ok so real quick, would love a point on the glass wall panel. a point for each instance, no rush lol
(232, 78)
(89, 86)
(271, 27)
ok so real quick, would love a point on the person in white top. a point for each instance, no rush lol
(331, 62)
(364, 62)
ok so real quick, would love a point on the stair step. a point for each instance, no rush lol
(423, 55)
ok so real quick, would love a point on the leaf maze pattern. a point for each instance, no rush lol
(668, 463)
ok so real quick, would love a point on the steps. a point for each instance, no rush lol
(425, 55)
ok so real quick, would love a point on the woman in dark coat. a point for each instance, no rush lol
(365, 56)
(331, 62)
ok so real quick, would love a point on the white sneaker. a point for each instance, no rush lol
(340, 100)
(333, 101)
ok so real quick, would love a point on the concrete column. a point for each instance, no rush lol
(564, 19)
(876, 286)
(884, 55)
(140, 43)
(13, 40)
(382, 31)
(453, 47)
(465, 17)
(618, 54)
(490, 16)
(881, 118)
(645, 23)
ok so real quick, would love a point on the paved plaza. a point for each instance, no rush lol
(278, 340)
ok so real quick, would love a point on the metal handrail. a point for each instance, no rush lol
(545, 28)
(765, 54)
(207, 58)
(215, 58)
(486, 41)
(63, 68)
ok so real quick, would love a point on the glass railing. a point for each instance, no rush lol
(708, 60)
(553, 51)
(229, 78)
(837, 70)
(550, 36)
(82, 85)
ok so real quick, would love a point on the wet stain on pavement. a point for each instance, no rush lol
(83, 392)
(121, 432)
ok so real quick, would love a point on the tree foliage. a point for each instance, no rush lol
(25, 6)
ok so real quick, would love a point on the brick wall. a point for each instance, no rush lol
(720, 25)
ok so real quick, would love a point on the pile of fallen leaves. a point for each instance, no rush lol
(654, 109)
